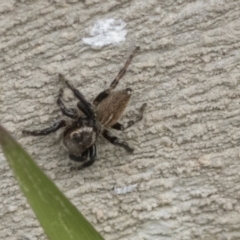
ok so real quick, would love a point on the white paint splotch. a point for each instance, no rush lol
(106, 32)
(125, 189)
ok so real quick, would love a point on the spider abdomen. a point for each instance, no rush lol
(110, 109)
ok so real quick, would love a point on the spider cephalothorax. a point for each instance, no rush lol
(81, 133)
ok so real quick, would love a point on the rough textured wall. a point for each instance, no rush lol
(185, 169)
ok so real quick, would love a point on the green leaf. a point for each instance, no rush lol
(59, 218)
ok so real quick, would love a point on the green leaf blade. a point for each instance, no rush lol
(59, 218)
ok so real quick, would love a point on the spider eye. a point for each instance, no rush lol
(74, 135)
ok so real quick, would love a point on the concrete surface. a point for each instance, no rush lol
(183, 181)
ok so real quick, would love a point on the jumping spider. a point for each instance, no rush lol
(81, 132)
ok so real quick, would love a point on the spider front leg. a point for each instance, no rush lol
(81, 158)
(72, 113)
(46, 131)
(121, 127)
(116, 141)
(88, 156)
(92, 153)
(83, 104)
(115, 82)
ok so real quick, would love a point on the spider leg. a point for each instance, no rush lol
(72, 113)
(100, 97)
(121, 127)
(116, 141)
(46, 131)
(123, 70)
(83, 104)
(114, 83)
(81, 158)
(92, 153)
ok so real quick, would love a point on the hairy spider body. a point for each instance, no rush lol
(80, 134)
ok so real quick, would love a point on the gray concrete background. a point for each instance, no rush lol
(185, 167)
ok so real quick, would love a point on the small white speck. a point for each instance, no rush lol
(106, 32)
(125, 189)
(129, 91)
